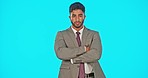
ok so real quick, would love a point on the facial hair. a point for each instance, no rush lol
(79, 25)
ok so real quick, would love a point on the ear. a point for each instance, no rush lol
(69, 17)
(84, 16)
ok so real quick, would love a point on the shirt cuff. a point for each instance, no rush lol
(85, 48)
(71, 60)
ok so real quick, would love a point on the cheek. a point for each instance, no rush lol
(81, 19)
(72, 19)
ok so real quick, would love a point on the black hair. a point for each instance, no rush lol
(76, 5)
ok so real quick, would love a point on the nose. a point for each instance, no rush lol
(77, 18)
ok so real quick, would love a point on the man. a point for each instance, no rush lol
(79, 48)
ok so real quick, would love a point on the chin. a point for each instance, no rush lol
(77, 26)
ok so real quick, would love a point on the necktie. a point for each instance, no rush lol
(81, 68)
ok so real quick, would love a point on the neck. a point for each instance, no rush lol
(77, 29)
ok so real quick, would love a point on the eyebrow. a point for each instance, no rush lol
(80, 14)
(75, 14)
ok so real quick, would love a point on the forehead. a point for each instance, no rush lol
(77, 11)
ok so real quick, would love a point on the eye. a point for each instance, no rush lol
(73, 15)
(80, 15)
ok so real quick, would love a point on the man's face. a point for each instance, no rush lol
(77, 18)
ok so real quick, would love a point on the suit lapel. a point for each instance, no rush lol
(84, 36)
(72, 36)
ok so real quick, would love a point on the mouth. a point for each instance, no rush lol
(77, 23)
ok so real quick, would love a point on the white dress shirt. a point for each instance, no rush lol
(88, 67)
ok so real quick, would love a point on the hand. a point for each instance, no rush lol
(87, 48)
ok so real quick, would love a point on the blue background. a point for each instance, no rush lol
(28, 29)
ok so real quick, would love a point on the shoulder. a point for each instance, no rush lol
(94, 34)
(92, 31)
(62, 32)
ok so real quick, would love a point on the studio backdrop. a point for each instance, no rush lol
(28, 29)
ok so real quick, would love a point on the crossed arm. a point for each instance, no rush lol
(85, 53)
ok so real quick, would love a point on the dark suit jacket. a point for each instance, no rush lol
(66, 48)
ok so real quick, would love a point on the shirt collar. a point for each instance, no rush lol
(76, 30)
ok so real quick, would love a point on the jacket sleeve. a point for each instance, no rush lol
(95, 51)
(63, 52)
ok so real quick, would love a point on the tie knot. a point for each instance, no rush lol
(77, 33)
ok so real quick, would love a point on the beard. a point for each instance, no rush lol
(77, 26)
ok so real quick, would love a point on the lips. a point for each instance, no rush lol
(77, 23)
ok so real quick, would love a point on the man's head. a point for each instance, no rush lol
(77, 14)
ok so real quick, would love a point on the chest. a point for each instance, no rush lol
(71, 41)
